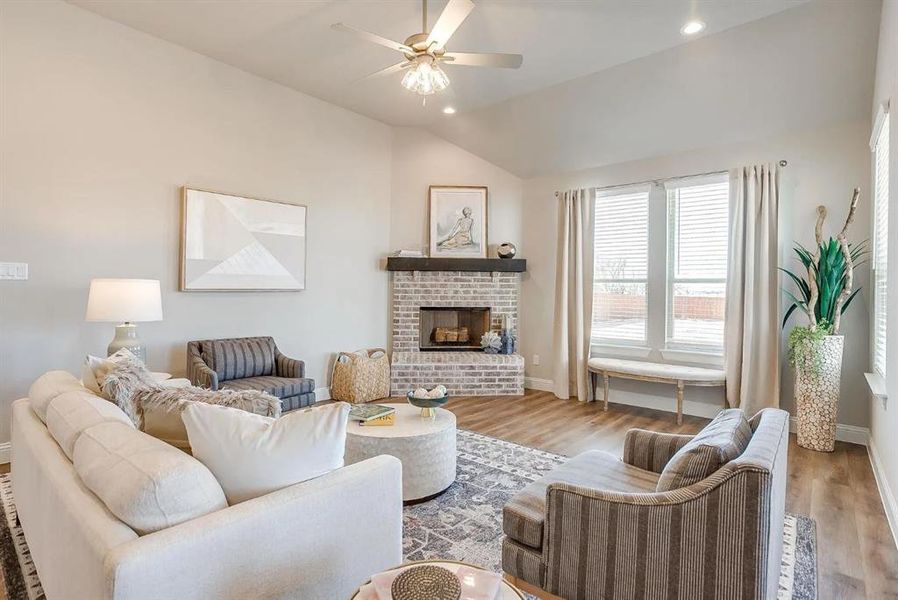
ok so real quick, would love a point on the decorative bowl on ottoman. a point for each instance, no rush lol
(428, 400)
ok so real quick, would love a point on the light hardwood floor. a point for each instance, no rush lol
(855, 552)
(856, 556)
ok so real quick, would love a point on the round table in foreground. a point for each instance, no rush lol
(425, 446)
(506, 590)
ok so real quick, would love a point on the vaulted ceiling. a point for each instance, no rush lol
(598, 77)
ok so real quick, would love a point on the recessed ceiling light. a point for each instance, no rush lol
(692, 27)
(448, 111)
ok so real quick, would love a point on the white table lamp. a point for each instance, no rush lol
(125, 301)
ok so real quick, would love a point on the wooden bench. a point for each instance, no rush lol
(656, 372)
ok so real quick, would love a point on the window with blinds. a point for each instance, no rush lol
(880, 243)
(698, 220)
(620, 309)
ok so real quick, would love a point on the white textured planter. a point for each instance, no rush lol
(817, 397)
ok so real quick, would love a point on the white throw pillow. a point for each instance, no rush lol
(47, 387)
(143, 481)
(252, 455)
(92, 370)
(69, 414)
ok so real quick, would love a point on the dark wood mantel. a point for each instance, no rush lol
(483, 265)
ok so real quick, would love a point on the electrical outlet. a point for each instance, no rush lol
(14, 271)
(536, 360)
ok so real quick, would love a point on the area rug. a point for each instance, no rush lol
(465, 522)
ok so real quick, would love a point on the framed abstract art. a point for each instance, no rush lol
(235, 243)
(458, 221)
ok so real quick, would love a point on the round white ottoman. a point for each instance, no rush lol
(426, 448)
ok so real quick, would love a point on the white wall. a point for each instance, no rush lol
(100, 126)
(825, 164)
(884, 419)
(421, 159)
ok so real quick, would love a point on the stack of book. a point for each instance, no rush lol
(373, 414)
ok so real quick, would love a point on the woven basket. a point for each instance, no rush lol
(359, 378)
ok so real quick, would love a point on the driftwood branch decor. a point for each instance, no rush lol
(812, 278)
(842, 238)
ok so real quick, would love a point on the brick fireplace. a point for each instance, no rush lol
(433, 310)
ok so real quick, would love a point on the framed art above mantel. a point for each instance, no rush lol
(458, 221)
(235, 243)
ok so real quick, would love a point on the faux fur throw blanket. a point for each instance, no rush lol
(133, 389)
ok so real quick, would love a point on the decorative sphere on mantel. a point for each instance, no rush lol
(506, 250)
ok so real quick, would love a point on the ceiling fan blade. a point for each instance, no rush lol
(389, 70)
(372, 37)
(484, 59)
(450, 19)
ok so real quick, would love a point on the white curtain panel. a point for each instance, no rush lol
(573, 294)
(752, 315)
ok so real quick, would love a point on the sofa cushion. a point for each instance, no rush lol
(252, 455)
(47, 387)
(69, 414)
(143, 481)
(722, 440)
(282, 387)
(239, 358)
(524, 514)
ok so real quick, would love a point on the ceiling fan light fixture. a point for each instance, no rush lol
(425, 78)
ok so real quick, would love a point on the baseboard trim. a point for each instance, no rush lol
(844, 433)
(537, 383)
(5, 453)
(322, 394)
(889, 504)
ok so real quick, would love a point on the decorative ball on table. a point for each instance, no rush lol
(506, 250)
(428, 400)
(426, 582)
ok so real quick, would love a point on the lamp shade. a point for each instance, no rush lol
(124, 300)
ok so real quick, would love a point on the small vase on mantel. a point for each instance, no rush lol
(817, 381)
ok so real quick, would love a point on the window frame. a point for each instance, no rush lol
(659, 283)
(879, 255)
(671, 344)
(635, 346)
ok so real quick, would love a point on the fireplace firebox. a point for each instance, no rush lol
(452, 328)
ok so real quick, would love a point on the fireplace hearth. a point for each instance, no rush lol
(452, 328)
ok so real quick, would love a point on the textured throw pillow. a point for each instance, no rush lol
(93, 368)
(722, 440)
(251, 455)
(122, 375)
(143, 481)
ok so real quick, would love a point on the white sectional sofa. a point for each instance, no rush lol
(319, 539)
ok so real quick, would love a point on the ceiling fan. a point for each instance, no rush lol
(425, 52)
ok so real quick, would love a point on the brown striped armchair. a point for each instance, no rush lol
(252, 363)
(599, 528)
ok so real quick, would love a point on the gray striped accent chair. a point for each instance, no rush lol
(252, 363)
(599, 527)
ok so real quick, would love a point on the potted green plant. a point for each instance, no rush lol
(825, 292)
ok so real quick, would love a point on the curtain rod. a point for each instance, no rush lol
(781, 163)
